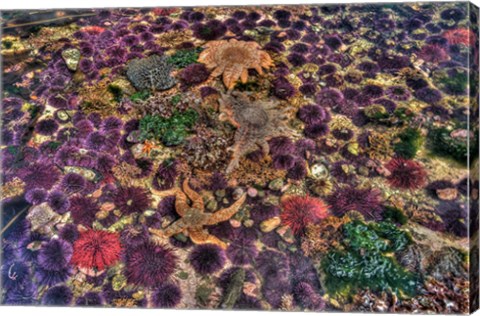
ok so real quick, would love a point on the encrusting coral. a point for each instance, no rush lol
(232, 59)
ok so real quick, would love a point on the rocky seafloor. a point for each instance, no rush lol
(296, 158)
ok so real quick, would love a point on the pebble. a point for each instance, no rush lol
(108, 206)
(212, 205)
(134, 136)
(252, 192)
(276, 185)
(319, 171)
(237, 193)
(248, 223)
(71, 57)
(235, 223)
(270, 224)
(447, 194)
(220, 193)
(286, 233)
(363, 171)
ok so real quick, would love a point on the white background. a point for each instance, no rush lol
(45, 4)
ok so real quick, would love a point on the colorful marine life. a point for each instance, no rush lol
(256, 123)
(281, 157)
(194, 218)
(232, 59)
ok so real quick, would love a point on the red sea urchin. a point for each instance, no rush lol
(149, 264)
(298, 211)
(406, 174)
(96, 249)
(460, 36)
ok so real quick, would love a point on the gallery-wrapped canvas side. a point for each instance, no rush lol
(474, 170)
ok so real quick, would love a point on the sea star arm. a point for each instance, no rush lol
(181, 204)
(175, 228)
(201, 236)
(197, 201)
(226, 213)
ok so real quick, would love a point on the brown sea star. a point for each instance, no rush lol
(193, 218)
(256, 123)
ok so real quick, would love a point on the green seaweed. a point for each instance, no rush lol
(410, 142)
(395, 215)
(170, 131)
(456, 84)
(184, 57)
(140, 96)
(367, 261)
(176, 99)
(442, 144)
(403, 114)
(116, 91)
(7, 44)
(234, 290)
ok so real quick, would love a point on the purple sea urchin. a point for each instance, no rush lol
(365, 201)
(149, 264)
(55, 255)
(207, 258)
(132, 199)
(167, 295)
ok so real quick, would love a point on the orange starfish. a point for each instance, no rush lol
(232, 59)
(148, 146)
(193, 217)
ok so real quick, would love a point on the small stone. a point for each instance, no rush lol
(108, 206)
(248, 223)
(276, 185)
(140, 295)
(252, 192)
(220, 193)
(363, 171)
(235, 223)
(102, 215)
(118, 282)
(461, 133)
(250, 288)
(88, 174)
(237, 193)
(447, 194)
(71, 57)
(261, 194)
(354, 149)
(212, 205)
(134, 136)
(137, 151)
(42, 218)
(270, 224)
(286, 233)
(319, 171)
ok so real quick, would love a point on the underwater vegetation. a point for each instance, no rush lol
(295, 158)
(365, 260)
